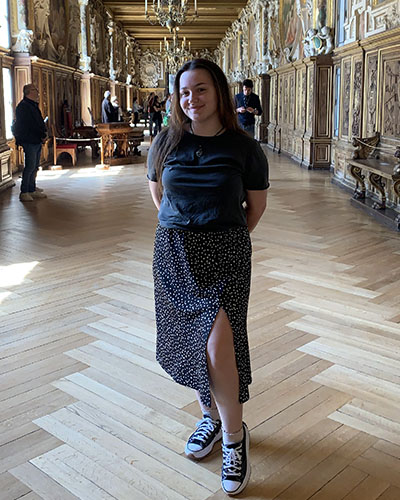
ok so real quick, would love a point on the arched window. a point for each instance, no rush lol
(4, 24)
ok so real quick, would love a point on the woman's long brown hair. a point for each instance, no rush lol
(169, 138)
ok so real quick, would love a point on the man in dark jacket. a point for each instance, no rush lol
(247, 106)
(108, 114)
(30, 131)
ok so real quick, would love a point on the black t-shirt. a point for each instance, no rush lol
(205, 181)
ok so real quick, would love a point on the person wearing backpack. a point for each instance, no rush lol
(29, 131)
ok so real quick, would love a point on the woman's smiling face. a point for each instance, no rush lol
(198, 97)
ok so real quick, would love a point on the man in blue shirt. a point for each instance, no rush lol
(247, 107)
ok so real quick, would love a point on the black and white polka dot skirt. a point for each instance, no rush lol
(195, 275)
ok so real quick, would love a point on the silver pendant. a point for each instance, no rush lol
(199, 152)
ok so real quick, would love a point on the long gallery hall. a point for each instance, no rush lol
(87, 87)
(86, 411)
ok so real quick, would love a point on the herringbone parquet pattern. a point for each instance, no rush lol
(85, 410)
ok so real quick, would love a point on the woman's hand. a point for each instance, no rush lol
(256, 203)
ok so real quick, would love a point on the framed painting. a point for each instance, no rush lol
(323, 13)
(289, 22)
(58, 23)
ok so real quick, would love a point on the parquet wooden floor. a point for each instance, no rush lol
(86, 412)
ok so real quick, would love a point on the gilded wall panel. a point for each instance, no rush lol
(346, 98)
(45, 92)
(310, 101)
(357, 99)
(299, 92)
(292, 99)
(371, 93)
(77, 100)
(391, 104)
(285, 108)
(303, 97)
(273, 102)
(323, 102)
(36, 77)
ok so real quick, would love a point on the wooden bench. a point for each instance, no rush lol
(382, 169)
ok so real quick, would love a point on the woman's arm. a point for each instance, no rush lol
(256, 203)
(155, 193)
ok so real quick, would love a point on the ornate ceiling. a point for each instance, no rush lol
(215, 17)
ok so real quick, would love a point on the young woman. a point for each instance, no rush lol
(208, 179)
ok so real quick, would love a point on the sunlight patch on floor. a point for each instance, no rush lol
(15, 274)
(93, 172)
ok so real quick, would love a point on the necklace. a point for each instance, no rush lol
(199, 152)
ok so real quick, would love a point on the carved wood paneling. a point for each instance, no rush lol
(285, 99)
(299, 83)
(292, 98)
(310, 100)
(390, 124)
(345, 102)
(357, 98)
(323, 102)
(371, 93)
(303, 97)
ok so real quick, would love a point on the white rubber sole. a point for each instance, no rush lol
(242, 486)
(204, 452)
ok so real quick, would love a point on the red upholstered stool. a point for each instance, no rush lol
(70, 148)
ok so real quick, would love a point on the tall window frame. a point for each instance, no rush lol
(5, 35)
(341, 17)
(8, 101)
(336, 107)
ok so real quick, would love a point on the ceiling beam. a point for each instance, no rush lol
(207, 30)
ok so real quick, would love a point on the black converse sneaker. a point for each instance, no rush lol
(201, 442)
(235, 465)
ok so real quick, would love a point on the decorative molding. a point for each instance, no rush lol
(100, 44)
(74, 31)
(318, 42)
(22, 36)
(24, 41)
(84, 59)
(150, 69)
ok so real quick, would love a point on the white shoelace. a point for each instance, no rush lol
(232, 460)
(205, 427)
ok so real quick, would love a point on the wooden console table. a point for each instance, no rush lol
(120, 142)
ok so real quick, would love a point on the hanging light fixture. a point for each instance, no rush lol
(175, 52)
(169, 13)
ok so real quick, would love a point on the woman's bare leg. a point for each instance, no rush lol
(223, 374)
(205, 410)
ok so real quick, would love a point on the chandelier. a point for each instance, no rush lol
(175, 52)
(169, 13)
